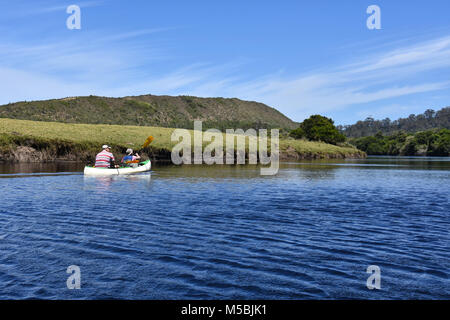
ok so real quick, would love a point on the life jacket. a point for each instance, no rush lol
(127, 158)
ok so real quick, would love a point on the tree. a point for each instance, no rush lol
(432, 142)
(441, 145)
(429, 113)
(297, 133)
(410, 147)
(318, 128)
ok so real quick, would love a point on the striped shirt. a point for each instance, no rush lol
(104, 159)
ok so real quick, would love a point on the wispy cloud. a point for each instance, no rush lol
(107, 67)
(134, 34)
(85, 58)
(377, 77)
(49, 9)
(373, 78)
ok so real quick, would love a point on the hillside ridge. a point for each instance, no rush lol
(151, 110)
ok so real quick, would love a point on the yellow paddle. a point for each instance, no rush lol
(147, 142)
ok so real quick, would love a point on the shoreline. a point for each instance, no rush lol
(28, 154)
(65, 151)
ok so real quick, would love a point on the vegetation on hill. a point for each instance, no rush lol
(23, 140)
(424, 143)
(318, 128)
(150, 110)
(430, 119)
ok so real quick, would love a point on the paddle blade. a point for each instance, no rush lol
(147, 142)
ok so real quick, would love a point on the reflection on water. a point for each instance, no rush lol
(63, 166)
(109, 183)
(317, 167)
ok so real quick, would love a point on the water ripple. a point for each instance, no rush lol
(184, 233)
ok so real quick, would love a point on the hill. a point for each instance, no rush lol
(151, 110)
(39, 141)
(430, 119)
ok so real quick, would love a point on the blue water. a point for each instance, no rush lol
(225, 232)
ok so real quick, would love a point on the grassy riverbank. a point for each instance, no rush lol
(34, 141)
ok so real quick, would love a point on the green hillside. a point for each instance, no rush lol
(150, 110)
(39, 141)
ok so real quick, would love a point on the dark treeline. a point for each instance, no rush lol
(430, 119)
(435, 142)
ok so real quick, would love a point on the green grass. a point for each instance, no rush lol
(319, 149)
(89, 138)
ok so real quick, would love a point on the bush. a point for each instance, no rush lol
(318, 128)
(297, 133)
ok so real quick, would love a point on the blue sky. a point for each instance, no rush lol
(302, 58)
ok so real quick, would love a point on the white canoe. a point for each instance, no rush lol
(143, 167)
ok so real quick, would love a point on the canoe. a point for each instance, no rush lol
(142, 167)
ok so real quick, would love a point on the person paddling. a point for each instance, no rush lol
(105, 159)
(129, 158)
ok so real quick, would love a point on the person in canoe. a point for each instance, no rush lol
(105, 159)
(129, 159)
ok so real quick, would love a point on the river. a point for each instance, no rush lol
(225, 232)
